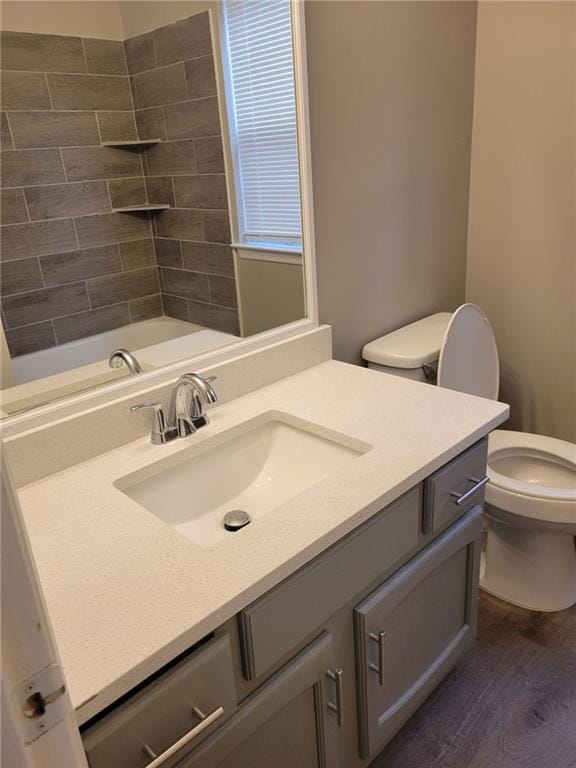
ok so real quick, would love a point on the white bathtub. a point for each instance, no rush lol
(50, 374)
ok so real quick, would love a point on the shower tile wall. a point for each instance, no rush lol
(70, 267)
(175, 97)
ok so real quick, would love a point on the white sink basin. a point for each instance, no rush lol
(254, 467)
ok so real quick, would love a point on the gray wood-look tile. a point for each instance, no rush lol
(20, 276)
(106, 228)
(24, 90)
(21, 168)
(105, 57)
(222, 291)
(61, 200)
(21, 241)
(183, 39)
(97, 92)
(150, 123)
(140, 54)
(60, 268)
(137, 254)
(117, 126)
(171, 158)
(216, 226)
(168, 252)
(218, 318)
(123, 287)
(160, 86)
(87, 163)
(5, 134)
(41, 53)
(145, 308)
(45, 304)
(207, 191)
(173, 306)
(30, 338)
(209, 155)
(180, 224)
(93, 321)
(54, 129)
(192, 119)
(210, 258)
(159, 190)
(13, 207)
(126, 192)
(200, 77)
(187, 285)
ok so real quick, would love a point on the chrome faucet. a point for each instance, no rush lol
(186, 414)
(124, 356)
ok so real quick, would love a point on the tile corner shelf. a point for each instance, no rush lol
(149, 208)
(135, 143)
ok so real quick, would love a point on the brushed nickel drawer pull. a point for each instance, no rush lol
(158, 760)
(379, 638)
(460, 498)
(337, 678)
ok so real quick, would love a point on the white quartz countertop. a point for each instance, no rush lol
(126, 592)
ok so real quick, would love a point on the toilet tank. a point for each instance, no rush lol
(412, 351)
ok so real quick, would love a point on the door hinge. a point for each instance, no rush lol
(41, 702)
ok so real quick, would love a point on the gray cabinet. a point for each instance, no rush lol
(292, 720)
(413, 628)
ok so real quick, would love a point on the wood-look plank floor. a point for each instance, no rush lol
(510, 703)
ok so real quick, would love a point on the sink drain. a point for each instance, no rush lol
(236, 519)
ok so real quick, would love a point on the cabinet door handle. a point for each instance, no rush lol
(337, 678)
(379, 638)
(158, 760)
(460, 498)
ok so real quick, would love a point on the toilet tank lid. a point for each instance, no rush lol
(412, 346)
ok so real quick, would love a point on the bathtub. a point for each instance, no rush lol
(45, 376)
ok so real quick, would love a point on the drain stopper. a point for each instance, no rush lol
(236, 519)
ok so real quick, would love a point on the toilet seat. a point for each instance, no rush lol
(532, 476)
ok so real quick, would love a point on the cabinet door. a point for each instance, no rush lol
(412, 630)
(292, 720)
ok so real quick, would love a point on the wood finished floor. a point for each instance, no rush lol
(510, 703)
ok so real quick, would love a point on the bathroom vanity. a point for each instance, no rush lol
(308, 637)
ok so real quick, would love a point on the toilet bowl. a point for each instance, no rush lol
(529, 558)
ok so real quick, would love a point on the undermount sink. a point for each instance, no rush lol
(255, 468)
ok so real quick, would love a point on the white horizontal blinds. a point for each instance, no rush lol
(260, 54)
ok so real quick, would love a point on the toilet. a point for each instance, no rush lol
(529, 557)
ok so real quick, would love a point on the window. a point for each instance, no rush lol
(262, 111)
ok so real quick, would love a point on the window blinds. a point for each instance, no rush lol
(264, 134)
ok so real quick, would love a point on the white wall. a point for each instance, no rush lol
(521, 245)
(85, 18)
(391, 92)
(140, 16)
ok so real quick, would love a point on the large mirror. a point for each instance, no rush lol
(151, 206)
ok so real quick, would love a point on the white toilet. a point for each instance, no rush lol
(530, 554)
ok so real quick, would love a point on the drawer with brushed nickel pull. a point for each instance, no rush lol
(167, 718)
(455, 488)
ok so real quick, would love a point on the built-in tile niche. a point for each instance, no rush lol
(70, 265)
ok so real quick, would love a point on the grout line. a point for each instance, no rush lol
(41, 272)
(76, 234)
(64, 74)
(63, 166)
(164, 66)
(84, 57)
(25, 202)
(49, 91)
(199, 301)
(97, 127)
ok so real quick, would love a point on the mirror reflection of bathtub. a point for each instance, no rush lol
(42, 377)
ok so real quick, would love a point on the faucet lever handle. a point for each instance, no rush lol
(159, 425)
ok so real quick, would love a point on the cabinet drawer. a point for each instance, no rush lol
(166, 711)
(449, 493)
(412, 630)
(276, 623)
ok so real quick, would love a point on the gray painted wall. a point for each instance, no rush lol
(391, 92)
